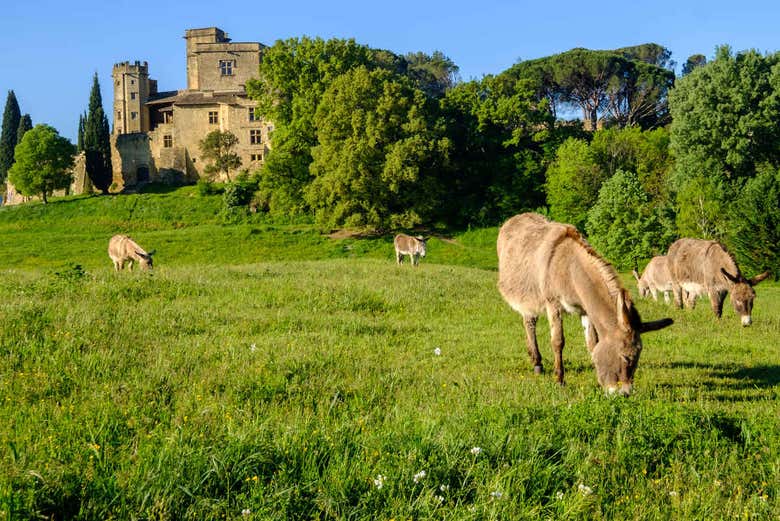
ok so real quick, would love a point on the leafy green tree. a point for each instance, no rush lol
(97, 141)
(43, 162)
(628, 86)
(292, 79)
(701, 206)
(573, 182)
(622, 225)
(378, 149)
(434, 74)
(217, 147)
(502, 136)
(725, 115)
(8, 136)
(25, 124)
(754, 231)
(693, 61)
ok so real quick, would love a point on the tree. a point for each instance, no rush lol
(43, 162)
(217, 147)
(573, 182)
(96, 141)
(622, 226)
(80, 133)
(693, 61)
(377, 151)
(725, 114)
(754, 231)
(434, 74)
(10, 131)
(25, 124)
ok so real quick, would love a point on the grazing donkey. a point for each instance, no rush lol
(548, 266)
(655, 278)
(698, 266)
(414, 247)
(122, 248)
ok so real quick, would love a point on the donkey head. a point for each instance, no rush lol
(145, 259)
(422, 242)
(616, 355)
(641, 285)
(743, 294)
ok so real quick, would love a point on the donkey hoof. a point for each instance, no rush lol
(537, 369)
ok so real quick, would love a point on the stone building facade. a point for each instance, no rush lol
(157, 133)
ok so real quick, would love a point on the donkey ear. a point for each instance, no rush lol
(655, 325)
(624, 320)
(729, 276)
(151, 253)
(758, 278)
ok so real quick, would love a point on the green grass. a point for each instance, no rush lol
(263, 366)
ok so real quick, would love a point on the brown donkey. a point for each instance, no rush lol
(545, 266)
(122, 249)
(655, 278)
(698, 266)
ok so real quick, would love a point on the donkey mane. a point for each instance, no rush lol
(605, 269)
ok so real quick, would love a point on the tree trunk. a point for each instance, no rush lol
(43, 196)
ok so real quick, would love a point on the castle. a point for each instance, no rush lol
(156, 134)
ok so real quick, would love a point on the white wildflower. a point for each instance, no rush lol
(437, 351)
(379, 481)
(584, 489)
(559, 495)
(673, 493)
(496, 494)
(440, 499)
(476, 451)
(246, 512)
(253, 347)
(444, 488)
(419, 476)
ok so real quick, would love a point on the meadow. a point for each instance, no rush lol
(267, 371)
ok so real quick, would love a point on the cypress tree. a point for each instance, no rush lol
(80, 136)
(25, 124)
(97, 142)
(11, 118)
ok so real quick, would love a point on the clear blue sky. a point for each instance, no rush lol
(49, 50)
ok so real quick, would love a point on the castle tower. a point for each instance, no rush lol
(132, 88)
(195, 37)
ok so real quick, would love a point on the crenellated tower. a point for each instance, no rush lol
(132, 88)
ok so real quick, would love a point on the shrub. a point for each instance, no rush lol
(240, 191)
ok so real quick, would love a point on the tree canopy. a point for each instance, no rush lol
(217, 147)
(43, 162)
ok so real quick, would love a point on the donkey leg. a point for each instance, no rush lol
(556, 339)
(678, 296)
(591, 338)
(716, 301)
(530, 343)
(398, 257)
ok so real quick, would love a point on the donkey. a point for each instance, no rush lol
(548, 266)
(655, 278)
(122, 248)
(414, 247)
(700, 266)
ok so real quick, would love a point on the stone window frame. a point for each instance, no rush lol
(133, 95)
(167, 141)
(134, 115)
(213, 117)
(255, 137)
(255, 157)
(252, 116)
(226, 67)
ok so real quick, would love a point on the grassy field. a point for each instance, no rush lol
(265, 371)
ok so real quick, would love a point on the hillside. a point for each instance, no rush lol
(265, 371)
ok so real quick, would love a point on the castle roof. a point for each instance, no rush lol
(184, 97)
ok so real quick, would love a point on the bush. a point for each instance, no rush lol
(240, 191)
(206, 188)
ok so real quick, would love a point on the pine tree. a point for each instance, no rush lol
(25, 124)
(96, 141)
(11, 118)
